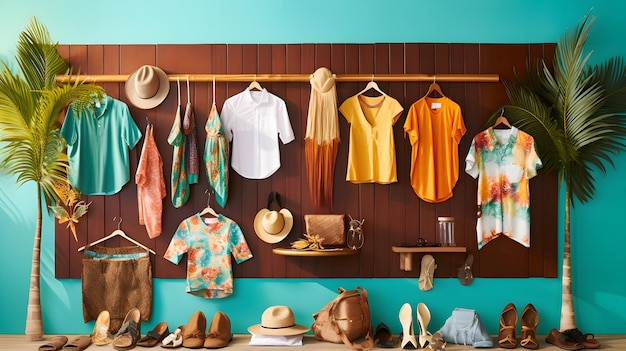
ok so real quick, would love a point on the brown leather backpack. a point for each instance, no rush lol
(345, 319)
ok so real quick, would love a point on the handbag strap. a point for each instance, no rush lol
(274, 196)
(367, 343)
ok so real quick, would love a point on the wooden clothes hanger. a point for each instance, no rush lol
(372, 85)
(255, 85)
(502, 121)
(434, 87)
(208, 209)
(119, 232)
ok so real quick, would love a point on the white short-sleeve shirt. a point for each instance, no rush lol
(253, 120)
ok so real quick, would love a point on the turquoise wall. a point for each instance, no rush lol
(598, 240)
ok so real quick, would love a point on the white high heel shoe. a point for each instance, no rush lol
(423, 318)
(406, 320)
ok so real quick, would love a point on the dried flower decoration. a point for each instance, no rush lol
(70, 208)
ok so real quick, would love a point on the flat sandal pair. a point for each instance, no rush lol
(508, 324)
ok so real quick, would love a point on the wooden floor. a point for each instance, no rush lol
(240, 342)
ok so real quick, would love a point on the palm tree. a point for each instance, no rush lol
(32, 146)
(574, 116)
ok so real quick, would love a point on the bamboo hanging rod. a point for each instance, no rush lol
(121, 78)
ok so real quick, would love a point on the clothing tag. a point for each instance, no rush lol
(210, 220)
(435, 105)
(97, 104)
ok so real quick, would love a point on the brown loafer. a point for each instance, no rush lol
(530, 321)
(508, 324)
(193, 333)
(588, 340)
(219, 332)
(560, 340)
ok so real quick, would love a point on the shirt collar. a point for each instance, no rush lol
(257, 97)
(493, 139)
(102, 107)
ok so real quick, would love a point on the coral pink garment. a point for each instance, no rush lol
(150, 185)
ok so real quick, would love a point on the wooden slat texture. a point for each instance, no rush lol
(393, 213)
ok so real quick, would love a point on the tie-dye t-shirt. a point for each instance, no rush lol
(208, 245)
(503, 160)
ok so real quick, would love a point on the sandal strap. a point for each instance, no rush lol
(123, 329)
(502, 326)
(576, 335)
(151, 335)
(507, 339)
(530, 339)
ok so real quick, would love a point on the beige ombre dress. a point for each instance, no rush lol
(322, 137)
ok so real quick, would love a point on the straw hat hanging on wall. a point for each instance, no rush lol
(147, 87)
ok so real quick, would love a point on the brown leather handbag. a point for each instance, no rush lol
(346, 319)
(331, 227)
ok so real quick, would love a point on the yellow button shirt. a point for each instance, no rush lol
(372, 151)
(435, 127)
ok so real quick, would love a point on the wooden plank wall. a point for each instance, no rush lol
(393, 213)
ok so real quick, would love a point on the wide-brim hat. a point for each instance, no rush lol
(278, 320)
(273, 226)
(147, 87)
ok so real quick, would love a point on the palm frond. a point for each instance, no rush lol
(529, 112)
(611, 74)
(30, 106)
(17, 104)
(574, 112)
(38, 57)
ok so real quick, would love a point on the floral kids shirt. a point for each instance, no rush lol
(208, 244)
(503, 161)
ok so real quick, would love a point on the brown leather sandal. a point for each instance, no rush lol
(587, 340)
(562, 341)
(508, 324)
(529, 320)
(130, 331)
(154, 336)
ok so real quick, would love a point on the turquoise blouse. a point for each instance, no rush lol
(98, 144)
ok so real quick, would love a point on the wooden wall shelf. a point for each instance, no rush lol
(312, 253)
(406, 253)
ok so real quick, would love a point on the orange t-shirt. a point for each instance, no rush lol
(372, 151)
(435, 127)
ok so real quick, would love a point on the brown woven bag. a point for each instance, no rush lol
(331, 227)
(346, 319)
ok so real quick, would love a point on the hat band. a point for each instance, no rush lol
(273, 229)
(288, 326)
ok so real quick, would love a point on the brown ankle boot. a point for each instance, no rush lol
(193, 333)
(219, 332)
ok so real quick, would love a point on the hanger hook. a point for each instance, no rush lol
(208, 200)
(502, 112)
(372, 77)
(119, 225)
(147, 120)
(434, 78)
